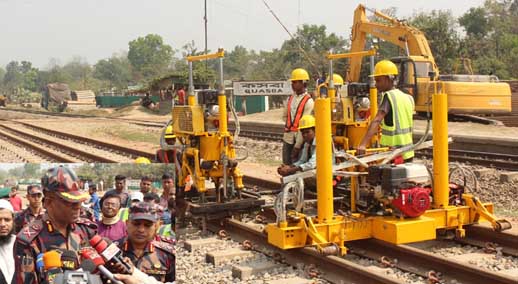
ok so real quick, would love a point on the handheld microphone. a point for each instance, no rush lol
(52, 265)
(94, 261)
(110, 252)
(69, 260)
(39, 263)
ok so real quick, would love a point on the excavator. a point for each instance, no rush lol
(467, 94)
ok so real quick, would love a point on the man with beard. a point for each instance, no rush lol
(34, 211)
(7, 239)
(111, 226)
(59, 228)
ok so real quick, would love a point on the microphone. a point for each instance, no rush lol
(95, 261)
(110, 252)
(39, 263)
(69, 260)
(52, 265)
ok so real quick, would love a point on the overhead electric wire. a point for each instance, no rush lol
(292, 37)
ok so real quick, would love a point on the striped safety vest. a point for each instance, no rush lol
(400, 133)
(292, 124)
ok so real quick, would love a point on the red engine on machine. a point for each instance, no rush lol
(401, 189)
(413, 202)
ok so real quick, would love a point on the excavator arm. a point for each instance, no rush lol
(395, 31)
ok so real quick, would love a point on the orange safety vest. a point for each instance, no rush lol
(293, 126)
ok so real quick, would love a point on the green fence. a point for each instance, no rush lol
(253, 104)
(119, 101)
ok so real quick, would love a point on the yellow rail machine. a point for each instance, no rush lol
(394, 203)
(207, 150)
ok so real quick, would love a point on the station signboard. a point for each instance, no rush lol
(262, 88)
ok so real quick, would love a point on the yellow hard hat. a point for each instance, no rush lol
(385, 68)
(142, 160)
(307, 121)
(337, 79)
(169, 132)
(299, 74)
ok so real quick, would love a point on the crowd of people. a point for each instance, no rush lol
(61, 216)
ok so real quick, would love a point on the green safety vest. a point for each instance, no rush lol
(165, 230)
(400, 133)
(124, 214)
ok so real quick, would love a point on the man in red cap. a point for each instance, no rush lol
(59, 228)
(35, 209)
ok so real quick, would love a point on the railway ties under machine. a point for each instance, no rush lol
(205, 153)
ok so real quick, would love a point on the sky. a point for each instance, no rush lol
(59, 30)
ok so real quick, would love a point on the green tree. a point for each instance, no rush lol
(79, 72)
(30, 76)
(475, 22)
(2, 74)
(115, 70)
(149, 56)
(12, 80)
(440, 29)
(491, 40)
(239, 63)
(316, 42)
(31, 170)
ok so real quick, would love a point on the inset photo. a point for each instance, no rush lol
(98, 221)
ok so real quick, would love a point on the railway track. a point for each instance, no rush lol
(370, 260)
(59, 146)
(70, 115)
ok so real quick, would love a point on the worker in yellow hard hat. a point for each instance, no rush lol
(307, 160)
(167, 156)
(338, 81)
(298, 104)
(395, 114)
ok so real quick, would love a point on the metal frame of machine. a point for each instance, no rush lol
(329, 231)
(208, 152)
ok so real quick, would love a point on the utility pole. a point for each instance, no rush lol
(205, 19)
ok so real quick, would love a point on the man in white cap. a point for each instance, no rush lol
(7, 239)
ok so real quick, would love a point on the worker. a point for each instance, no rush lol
(395, 114)
(180, 93)
(299, 103)
(307, 160)
(338, 81)
(168, 156)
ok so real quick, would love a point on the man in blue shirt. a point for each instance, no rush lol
(307, 160)
(94, 202)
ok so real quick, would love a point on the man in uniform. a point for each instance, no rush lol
(59, 228)
(155, 258)
(395, 114)
(298, 104)
(35, 209)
